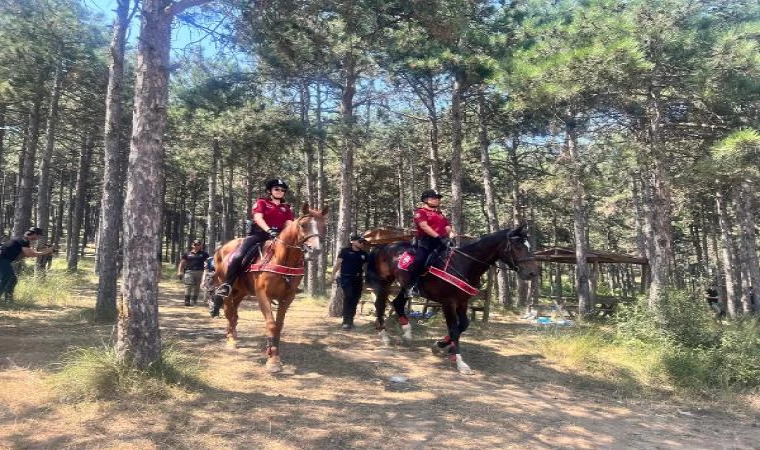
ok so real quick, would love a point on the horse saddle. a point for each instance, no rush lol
(255, 254)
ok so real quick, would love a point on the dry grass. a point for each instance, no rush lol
(336, 391)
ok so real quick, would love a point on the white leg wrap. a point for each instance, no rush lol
(384, 338)
(407, 329)
(462, 366)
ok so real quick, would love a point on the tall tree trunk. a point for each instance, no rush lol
(662, 239)
(434, 139)
(319, 286)
(80, 195)
(44, 187)
(580, 222)
(58, 230)
(488, 188)
(456, 152)
(112, 201)
(517, 219)
(347, 180)
(748, 245)
(311, 195)
(211, 217)
(23, 211)
(727, 253)
(138, 338)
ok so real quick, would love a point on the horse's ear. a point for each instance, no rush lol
(305, 208)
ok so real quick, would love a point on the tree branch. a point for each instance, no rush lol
(177, 7)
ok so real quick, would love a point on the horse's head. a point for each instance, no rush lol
(311, 230)
(517, 254)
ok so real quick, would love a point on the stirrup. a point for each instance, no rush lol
(224, 290)
(412, 291)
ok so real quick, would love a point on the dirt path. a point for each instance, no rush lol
(337, 392)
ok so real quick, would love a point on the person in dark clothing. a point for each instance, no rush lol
(10, 252)
(270, 216)
(190, 271)
(432, 228)
(208, 283)
(350, 264)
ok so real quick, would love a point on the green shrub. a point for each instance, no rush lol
(678, 321)
(96, 373)
(740, 353)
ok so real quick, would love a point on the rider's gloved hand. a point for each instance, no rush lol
(273, 232)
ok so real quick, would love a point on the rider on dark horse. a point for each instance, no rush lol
(270, 216)
(432, 227)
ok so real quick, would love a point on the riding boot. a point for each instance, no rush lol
(187, 300)
(233, 267)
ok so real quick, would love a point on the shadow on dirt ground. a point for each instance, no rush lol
(338, 390)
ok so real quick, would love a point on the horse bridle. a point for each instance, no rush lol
(512, 263)
(300, 245)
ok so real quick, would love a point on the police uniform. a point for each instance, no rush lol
(425, 243)
(351, 281)
(193, 274)
(276, 215)
(9, 252)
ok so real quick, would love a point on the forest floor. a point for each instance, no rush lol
(337, 391)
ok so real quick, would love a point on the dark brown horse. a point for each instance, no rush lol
(467, 263)
(274, 279)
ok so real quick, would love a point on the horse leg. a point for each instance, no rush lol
(231, 305)
(456, 322)
(272, 352)
(399, 305)
(381, 299)
(463, 322)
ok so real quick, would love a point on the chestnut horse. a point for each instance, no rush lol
(467, 264)
(274, 279)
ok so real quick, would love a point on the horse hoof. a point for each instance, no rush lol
(384, 338)
(407, 330)
(441, 351)
(462, 366)
(274, 366)
(231, 344)
(464, 369)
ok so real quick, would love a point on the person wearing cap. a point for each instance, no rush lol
(350, 264)
(10, 252)
(270, 216)
(190, 271)
(432, 228)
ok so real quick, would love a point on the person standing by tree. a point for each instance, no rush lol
(190, 271)
(10, 251)
(350, 263)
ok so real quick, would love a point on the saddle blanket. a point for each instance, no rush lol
(406, 260)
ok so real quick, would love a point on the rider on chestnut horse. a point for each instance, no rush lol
(270, 216)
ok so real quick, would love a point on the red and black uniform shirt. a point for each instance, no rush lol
(434, 218)
(274, 215)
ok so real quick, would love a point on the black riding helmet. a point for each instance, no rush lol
(274, 183)
(430, 193)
